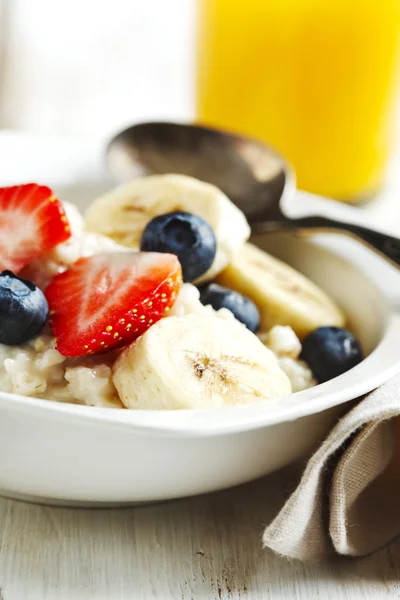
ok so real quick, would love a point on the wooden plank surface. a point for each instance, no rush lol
(201, 548)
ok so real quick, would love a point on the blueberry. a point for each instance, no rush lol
(187, 236)
(23, 309)
(242, 307)
(331, 351)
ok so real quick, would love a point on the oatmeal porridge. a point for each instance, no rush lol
(155, 300)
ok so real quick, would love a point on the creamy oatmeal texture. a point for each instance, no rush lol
(188, 303)
(285, 344)
(36, 369)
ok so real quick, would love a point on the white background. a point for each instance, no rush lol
(89, 67)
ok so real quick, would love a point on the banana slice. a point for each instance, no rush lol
(197, 362)
(283, 295)
(123, 213)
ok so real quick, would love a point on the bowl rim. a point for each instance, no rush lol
(235, 419)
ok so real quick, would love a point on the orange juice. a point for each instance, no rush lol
(316, 79)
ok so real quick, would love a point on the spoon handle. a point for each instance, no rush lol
(385, 244)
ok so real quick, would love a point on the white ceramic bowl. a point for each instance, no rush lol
(68, 454)
(62, 453)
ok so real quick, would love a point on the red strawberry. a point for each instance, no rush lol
(32, 221)
(108, 300)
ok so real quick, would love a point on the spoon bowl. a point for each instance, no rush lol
(253, 175)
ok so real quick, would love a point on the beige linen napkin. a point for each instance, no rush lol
(348, 499)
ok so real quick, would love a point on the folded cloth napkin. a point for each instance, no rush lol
(348, 499)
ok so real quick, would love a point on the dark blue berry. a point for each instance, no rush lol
(242, 307)
(331, 351)
(23, 309)
(187, 236)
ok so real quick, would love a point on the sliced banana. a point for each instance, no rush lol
(283, 295)
(123, 213)
(197, 362)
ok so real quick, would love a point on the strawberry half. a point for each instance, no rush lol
(108, 300)
(32, 221)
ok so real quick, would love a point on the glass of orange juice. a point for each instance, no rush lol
(317, 79)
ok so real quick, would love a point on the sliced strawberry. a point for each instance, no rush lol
(108, 300)
(32, 221)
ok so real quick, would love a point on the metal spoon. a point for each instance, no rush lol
(250, 173)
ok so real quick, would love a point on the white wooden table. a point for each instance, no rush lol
(200, 548)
